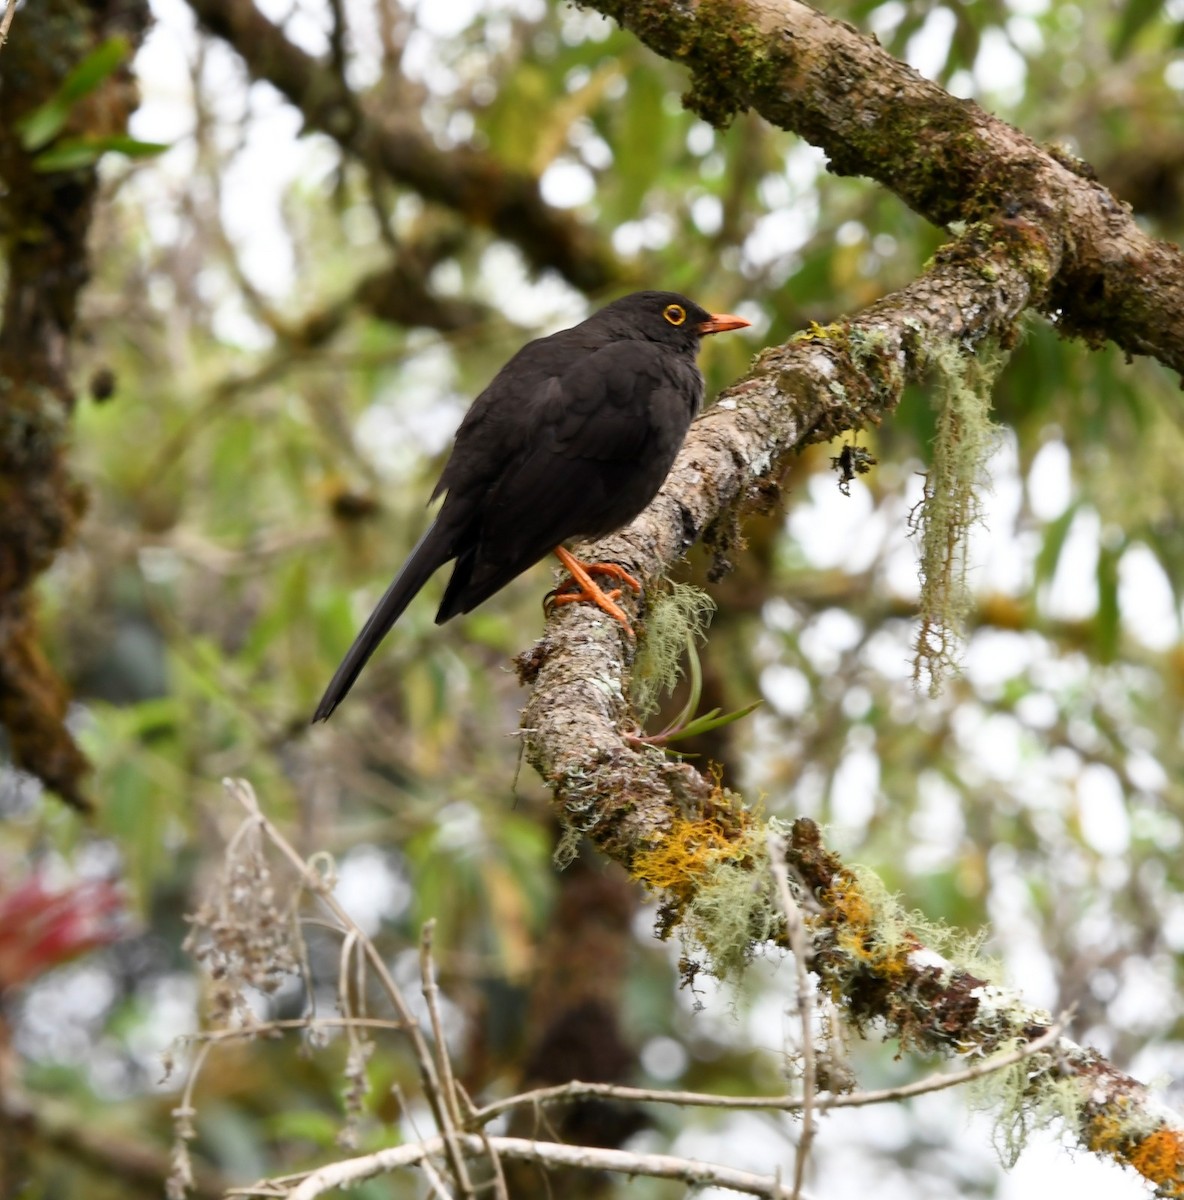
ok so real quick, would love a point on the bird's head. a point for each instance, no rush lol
(664, 317)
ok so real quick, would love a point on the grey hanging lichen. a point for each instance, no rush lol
(951, 503)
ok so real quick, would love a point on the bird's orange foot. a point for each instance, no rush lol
(615, 571)
(582, 587)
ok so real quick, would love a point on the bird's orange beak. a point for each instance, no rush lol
(721, 323)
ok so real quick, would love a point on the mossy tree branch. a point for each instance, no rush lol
(945, 157)
(811, 389)
(649, 812)
(45, 217)
(872, 964)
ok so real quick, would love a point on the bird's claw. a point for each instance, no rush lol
(616, 571)
(582, 587)
(559, 596)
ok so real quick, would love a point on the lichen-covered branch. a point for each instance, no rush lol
(677, 830)
(945, 157)
(872, 964)
(473, 183)
(45, 216)
(811, 389)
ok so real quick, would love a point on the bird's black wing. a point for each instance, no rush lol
(603, 436)
(493, 433)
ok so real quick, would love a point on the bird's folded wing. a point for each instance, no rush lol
(601, 407)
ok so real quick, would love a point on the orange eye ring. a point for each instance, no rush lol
(675, 314)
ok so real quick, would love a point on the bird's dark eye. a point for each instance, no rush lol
(675, 314)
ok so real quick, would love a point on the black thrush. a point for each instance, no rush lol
(572, 439)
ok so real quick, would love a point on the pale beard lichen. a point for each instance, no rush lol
(951, 504)
(680, 615)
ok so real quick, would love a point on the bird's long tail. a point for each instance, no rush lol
(432, 551)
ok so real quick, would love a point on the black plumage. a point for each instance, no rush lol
(572, 439)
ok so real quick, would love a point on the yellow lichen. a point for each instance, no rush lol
(870, 924)
(692, 848)
(819, 333)
(714, 872)
(1159, 1157)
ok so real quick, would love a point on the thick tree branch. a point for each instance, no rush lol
(946, 158)
(45, 217)
(879, 973)
(475, 184)
(809, 390)
(635, 803)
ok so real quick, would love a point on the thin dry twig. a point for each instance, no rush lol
(264, 1029)
(242, 791)
(6, 21)
(435, 1182)
(656, 1165)
(795, 929)
(547, 1154)
(501, 1189)
(936, 1082)
(180, 1180)
(431, 995)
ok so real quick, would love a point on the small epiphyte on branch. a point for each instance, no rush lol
(851, 461)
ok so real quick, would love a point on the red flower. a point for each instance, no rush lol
(41, 928)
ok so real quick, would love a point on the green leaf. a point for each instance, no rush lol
(711, 720)
(101, 62)
(69, 155)
(45, 122)
(122, 143)
(1055, 533)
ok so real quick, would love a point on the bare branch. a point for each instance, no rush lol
(795, 930)
(6, 21)
(435, 1182)
(546, 1154)
(431, 995)
(937, 1082)
(274, 1028)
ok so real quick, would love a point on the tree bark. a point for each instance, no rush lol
(944, 157)
(1042, 234)
(45, 217)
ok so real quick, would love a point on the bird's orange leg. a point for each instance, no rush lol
(581, 577)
